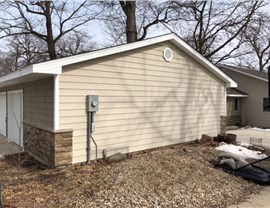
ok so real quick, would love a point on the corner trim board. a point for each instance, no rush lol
(56, 103)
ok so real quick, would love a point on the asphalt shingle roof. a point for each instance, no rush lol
(256, 73)
(234, 91)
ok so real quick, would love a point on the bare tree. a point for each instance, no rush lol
(258, 40)
(72, 44)
(210, 27)
(214, 29)
(129, 8)
(24, 50)
(30, 49)
(130, 21)
(48, 21)
(21, 51)
(7, 63)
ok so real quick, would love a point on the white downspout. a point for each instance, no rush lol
(56, 103)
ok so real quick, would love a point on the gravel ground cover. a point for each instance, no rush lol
(179, 176)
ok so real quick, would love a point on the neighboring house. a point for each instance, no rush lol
(152, 93)
(235, 98)
(247, 104)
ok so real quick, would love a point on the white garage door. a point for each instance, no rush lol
(15, 116)
(3, 113)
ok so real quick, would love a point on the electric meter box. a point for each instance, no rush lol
(92, 102)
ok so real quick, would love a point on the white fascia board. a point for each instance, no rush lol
(47, 68)
(19, 73)
(237, 95)
(31, 69)
(247, 74)
(202, 60)
(55, 66)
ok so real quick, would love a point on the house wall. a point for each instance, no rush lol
(252, 107)
(53, 148)
(234, 117)
(38, 102)
(145, 102)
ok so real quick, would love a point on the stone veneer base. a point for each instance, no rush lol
(231, 120)
(52, 148)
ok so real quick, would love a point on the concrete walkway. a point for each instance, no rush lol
(7, 148)
(261, 200)
(245, 135)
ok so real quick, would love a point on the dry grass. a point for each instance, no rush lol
(182, 176)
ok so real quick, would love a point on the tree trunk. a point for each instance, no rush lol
(129, 7)
(261, 63)
(50, 39)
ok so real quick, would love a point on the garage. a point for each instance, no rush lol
(3, 114)
(152, 93)
(15, 116)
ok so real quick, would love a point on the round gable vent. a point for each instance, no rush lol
(167, 54)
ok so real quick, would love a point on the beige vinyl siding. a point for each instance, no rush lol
(145, 102)
(38, 102)
(252, 106)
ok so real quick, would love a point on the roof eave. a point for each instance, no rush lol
(19, 73)
(55, 66)
(231, 83)
(26, 74)
(232, 95)
(59, 63)
(53, 69)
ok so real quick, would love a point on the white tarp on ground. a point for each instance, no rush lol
(241, 151)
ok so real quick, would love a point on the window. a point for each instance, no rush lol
(266, 106)
(236, 104)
